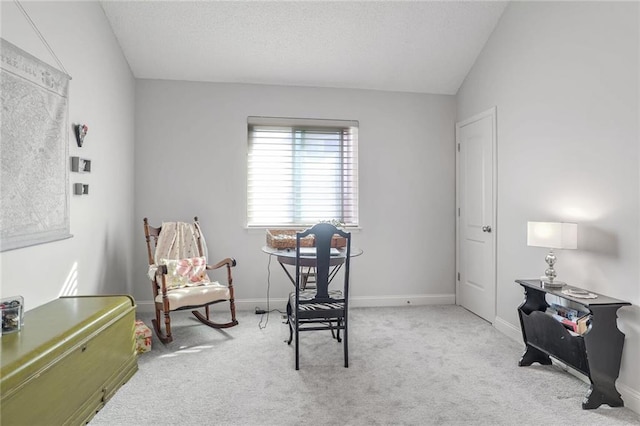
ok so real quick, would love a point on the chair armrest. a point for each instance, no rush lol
(162, 271)
(229, 261)
(161, 280)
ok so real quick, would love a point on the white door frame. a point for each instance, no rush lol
(491, 112)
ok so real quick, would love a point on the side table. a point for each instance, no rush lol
(596, 354)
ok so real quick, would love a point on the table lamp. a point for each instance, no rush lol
(552, 235)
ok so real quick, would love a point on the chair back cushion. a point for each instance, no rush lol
(177, 248)
(177, 240)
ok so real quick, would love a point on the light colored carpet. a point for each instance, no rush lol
(418, 365)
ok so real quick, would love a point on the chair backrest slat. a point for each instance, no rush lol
(151, 236)
(323, 235)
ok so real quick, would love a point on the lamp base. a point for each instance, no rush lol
(552, 283)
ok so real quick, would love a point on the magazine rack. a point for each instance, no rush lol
(596, 354)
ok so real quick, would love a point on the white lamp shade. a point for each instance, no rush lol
(557, 235)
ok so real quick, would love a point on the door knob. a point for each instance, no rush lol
(486, 228)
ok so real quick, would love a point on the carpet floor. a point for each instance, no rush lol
(417, 365)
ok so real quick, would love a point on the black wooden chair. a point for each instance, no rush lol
(178, 263)
(318, 308)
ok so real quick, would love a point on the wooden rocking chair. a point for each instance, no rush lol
(177, 269)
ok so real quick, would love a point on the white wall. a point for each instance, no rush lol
(102, 96)
(191, 148)
(565, 79)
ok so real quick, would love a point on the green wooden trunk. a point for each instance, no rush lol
(69, 358)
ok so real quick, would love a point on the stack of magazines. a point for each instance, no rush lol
(573, 319)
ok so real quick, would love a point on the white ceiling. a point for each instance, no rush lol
(415, 46)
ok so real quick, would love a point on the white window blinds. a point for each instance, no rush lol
(302, 171)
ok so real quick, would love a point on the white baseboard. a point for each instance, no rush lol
(147, 306)
(144, 307)
(508, 329)
(407, 300)
(630, 396)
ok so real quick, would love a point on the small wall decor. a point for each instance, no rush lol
(80, 165)
(12, 314)
(81, 189)
(81, 131)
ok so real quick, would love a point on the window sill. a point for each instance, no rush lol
(263, 229)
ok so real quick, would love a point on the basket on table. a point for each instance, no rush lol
(286, 239)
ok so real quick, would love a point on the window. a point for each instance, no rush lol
(302, 171)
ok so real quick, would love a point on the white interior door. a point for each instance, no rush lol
(476, 236)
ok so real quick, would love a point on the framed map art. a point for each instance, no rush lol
(34, 182)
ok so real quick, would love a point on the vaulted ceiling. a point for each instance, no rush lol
(413, 46)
